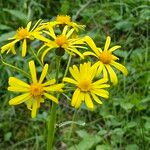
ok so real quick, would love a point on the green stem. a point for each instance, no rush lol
(52, 119)
(32, 51)
(72, 124)
(68, 64)
(51, 126)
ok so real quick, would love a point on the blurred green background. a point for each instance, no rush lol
(122, 122)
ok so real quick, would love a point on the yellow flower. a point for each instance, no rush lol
(105, 59)
(86, 87)
(66, 20)
(23, 35)
(34, 92)
(64, 41)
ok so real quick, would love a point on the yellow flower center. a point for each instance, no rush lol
(22, 33)
(63, 19)
(61, 40)
(36, 89)
(85, 85)
(105, 57)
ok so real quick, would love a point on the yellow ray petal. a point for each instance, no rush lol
(34, 109)
(92, 71)
(89, 53)
(52, 33)
(18, 89)
(19, 99)
(101, 92)
(29, 26)
(45, 52)
(120, 67)
(33, 71)
(29, 103)
(51, 97)
(49, 82)
(74, 73)
(8, 46)
(100, 68)
(105, 74)
(69, 80)
(112, 75)
(114, 48)
(41, 48)
(69, 33)
(92, 45)
(16, 82)
(74, 50)
(114, 57)
(75, 97)
(100, 86)
(96, 98)
(40, 37)
(13, 50)
(65, 30)
(107, 43)
(24, 48)
(88, 102)
(44, 72)
(79, 100)
(76, 70)
(56, 87)
(100, 81)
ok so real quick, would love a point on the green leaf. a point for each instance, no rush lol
(82, 133)
(4, 27)
(132, 147)
(87, 143)
(18, 14)
(127, 106)
(125, 25)
(131, 125)
(7, 136)
(6, 36)
(103, 147)
(147, 125)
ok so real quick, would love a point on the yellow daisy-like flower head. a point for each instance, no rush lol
(66, 20)
(22, 35)
(86, 88)
(63, 19)
(65, 41)
(106, 59)
(34, 93)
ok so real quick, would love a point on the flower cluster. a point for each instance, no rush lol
(90, 80)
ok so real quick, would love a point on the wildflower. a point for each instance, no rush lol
(33, 93)
(23, 35)
(64, 41)
(106, 59)
(66, 20)
(85, 86)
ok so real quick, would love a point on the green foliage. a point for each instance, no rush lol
(122, 122)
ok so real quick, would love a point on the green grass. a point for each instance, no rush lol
(122, 122)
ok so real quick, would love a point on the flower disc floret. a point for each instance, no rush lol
(36, 90)
(85, 85)
(22, 33)
(105, 57)
(61, 40)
